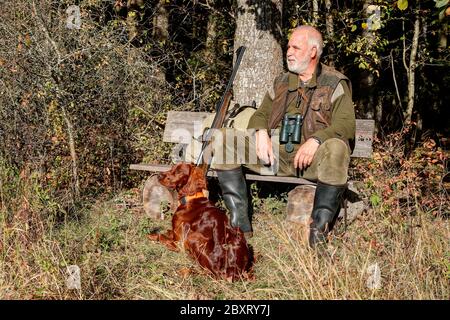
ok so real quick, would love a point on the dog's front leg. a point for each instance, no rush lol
(166, 239)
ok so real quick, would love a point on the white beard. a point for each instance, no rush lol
(298, 67)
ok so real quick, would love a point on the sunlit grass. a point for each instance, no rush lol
(118, 262)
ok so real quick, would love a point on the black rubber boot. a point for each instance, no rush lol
(234, 192)
(327, 203)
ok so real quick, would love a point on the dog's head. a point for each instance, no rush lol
(186, 178)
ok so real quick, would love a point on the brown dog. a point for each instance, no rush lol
(202, 229)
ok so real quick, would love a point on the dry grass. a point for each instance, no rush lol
(118, 262)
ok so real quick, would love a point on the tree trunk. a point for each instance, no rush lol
(330, 31)
(73, 153)
(161, 33)
(443, 37)
(134, 8)
(368, 80)
(161, 22)
(315, 12)
(211, 35)
(132, 25)
(258, 27)
(412, 68)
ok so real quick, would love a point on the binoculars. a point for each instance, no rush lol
(291, 131)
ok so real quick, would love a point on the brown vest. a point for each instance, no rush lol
(315, 107)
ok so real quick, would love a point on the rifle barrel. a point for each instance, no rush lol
(225, 99)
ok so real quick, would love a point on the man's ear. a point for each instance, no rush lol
(313, 52)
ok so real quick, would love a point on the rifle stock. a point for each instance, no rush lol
(220, 118)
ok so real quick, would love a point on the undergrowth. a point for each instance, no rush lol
(397, 248)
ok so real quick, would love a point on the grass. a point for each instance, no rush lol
(118, 262)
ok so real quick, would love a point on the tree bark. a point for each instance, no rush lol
(315, 12)
(161, 22)
(132, 25)
(330, 31)
(133, 17)
(443, 37)
(211, 35)
(73, 153)
(258, 27)
(412, 68)
(368, 79)
(160, 33)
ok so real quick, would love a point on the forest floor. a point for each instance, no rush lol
(379, 256)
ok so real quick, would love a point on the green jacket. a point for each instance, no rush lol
(324, 101)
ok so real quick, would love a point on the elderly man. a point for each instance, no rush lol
(317, 101)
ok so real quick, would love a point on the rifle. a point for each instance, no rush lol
(221, 110)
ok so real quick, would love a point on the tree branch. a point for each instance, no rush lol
(47, 34)
(395, 81)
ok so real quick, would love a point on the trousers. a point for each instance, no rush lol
(231, 148)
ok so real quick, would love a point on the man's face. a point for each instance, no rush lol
(298, 54)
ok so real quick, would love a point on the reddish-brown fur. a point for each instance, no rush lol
(202, 229)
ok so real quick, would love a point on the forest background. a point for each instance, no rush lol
(85, 87)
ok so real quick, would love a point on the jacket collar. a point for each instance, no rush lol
(295, 82)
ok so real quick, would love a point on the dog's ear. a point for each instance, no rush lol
(196, 182)
(198, 179)
(177, 176)
(183, 169)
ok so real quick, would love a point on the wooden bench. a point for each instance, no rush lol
(182, 124)
(187, 121)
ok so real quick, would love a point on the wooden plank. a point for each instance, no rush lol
(181, 126)
(150, 167)
(212, 173)
(257, 177)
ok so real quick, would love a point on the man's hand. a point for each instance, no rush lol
(305, 154)
(264, 147)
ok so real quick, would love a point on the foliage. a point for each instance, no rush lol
(94, 100)
(272, 203)
(405, 185)
(90, 86)
(78, 106)
(371, 43)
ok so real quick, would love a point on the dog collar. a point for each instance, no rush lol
(186, 199)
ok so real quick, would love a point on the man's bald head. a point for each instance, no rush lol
(314, 37)
(303, 51)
